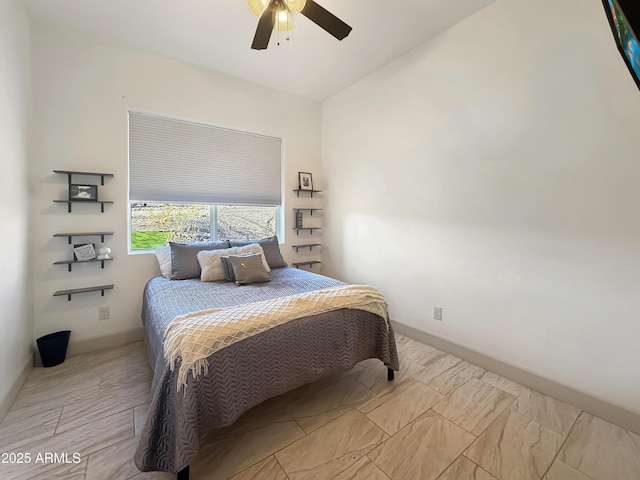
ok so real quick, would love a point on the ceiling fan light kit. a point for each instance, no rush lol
(258, 7)
(276, 14)
(283, 21)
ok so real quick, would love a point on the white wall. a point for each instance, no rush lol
(15, 317)
(83, 88)
(494, 171)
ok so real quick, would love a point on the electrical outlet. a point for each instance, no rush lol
(103, 313)
(437, 313)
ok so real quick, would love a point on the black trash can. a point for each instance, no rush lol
(53, 348)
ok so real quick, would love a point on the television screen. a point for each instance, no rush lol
(625, 37)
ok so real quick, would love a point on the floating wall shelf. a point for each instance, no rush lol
(74, 291)
(310, 210)
(72, 262)
(300, 214)
(311, 229)
(311, 192)
(306, 245)
(83, 234)
(70, 173)
(310, 263)
(70, 202)
(74, 198)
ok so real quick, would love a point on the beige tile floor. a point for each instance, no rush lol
(441, 419)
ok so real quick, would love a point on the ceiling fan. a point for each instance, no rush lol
(277, 14)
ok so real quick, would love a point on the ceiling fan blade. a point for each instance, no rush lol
(265, 27)
(326, 20)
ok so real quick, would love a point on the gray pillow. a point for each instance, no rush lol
(184, 258)
(249, 269)
(271, 250)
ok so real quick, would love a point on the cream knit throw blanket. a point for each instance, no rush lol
(195, 336)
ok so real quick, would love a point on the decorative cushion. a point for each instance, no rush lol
(271, 250)
(184, 259)
(249, 268)
(211, 263)
(163, 255)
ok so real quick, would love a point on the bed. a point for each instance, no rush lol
(249, 371)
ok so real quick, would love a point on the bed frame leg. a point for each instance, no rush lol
(390, 374)
(183, 474)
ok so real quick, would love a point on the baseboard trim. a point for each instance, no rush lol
(7, 401)
(596, 406)
(106, 341)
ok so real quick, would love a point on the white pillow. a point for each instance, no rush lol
(163, 255)
(211, 265)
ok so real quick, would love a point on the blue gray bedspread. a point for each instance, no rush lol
(248, 372)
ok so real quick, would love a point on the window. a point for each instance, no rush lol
(193, 182)
(155, 224)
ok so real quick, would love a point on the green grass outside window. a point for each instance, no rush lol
(148, 240)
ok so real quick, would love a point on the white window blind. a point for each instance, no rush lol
(179, 161)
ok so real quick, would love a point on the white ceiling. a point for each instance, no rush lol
(217, 34)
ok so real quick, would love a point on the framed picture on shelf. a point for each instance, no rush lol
(305, 180)
(84, 252)
(87, 193)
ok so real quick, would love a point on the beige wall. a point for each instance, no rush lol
(15, 308)
(493, 172)
(83, 88)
